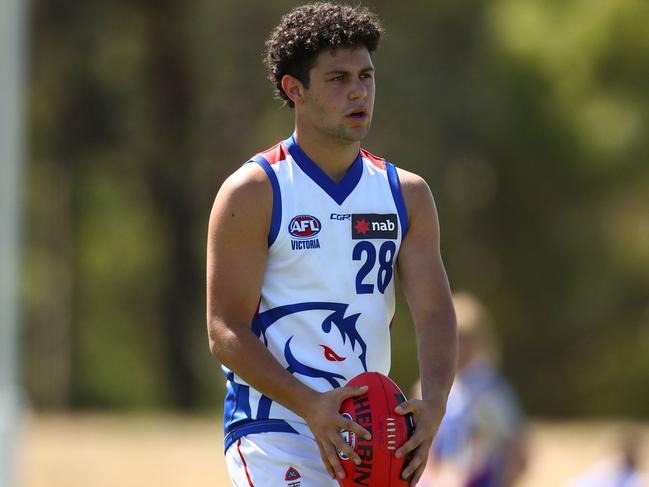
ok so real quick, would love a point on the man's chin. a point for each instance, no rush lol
(353, 134)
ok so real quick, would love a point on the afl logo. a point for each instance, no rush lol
(304, 226)
(349, 437)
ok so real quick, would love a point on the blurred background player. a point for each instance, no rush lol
(620, 471)
(481, 441)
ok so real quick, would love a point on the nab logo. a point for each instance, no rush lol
(373, 225)
(304, 226)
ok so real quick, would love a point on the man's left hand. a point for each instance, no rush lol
(427, 416)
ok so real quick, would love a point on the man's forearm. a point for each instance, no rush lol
(437, 352)
(244, 354)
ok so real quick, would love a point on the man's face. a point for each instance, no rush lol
(340, 97)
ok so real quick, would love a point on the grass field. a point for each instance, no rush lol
(164, 451)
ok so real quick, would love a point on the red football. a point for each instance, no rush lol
(374, 411)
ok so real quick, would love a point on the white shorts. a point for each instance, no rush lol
(276, 460)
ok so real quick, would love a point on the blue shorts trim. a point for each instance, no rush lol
(261, 426)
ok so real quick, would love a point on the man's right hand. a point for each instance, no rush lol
(322, 414)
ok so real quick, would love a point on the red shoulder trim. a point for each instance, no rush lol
(375, 160)
(275, 154)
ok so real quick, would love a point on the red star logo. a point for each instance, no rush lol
(361, 226)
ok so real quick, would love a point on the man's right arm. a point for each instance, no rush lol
(237, 251)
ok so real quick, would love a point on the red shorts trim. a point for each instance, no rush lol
(245, 465)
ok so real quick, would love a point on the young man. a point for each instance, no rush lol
(302, 248)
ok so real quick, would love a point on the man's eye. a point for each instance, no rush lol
(338, 78)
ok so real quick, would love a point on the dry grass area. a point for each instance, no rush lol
(165, 451)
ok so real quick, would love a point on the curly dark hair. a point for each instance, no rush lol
(307, 30)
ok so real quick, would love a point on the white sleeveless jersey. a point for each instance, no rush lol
(327, 299)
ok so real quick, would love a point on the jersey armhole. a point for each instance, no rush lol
(395, 188)
(276, 219)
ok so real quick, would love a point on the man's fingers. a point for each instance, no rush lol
(332, 459)
(418, 473)
(347, 450)
(346, 392)
(406, 407)
(349, 425)
(417, 461)
(323, 456)
(414, 441)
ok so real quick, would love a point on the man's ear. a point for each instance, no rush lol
(293, 88)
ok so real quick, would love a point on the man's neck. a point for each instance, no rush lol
(333, 155)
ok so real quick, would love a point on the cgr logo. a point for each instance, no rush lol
(304, 226)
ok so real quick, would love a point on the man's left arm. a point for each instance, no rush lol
(425, 285)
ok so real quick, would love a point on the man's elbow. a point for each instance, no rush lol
(214, 348)
(216, 338)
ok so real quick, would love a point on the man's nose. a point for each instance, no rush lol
(358, 90)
